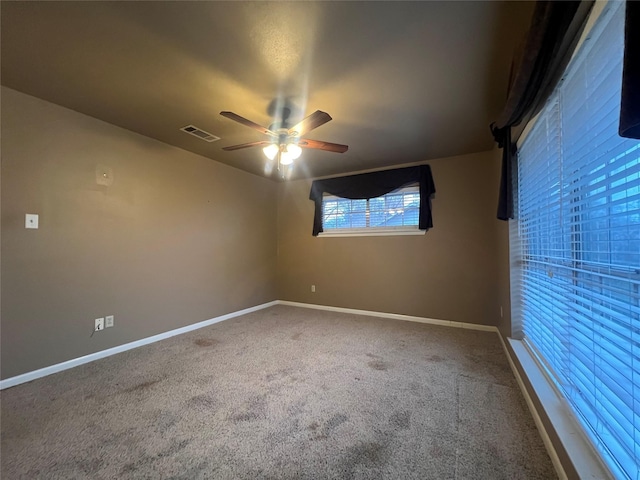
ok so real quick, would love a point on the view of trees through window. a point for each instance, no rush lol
(396, 209)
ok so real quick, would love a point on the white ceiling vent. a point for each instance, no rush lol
(201, 134)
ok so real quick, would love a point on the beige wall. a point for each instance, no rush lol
(176, 239)
(451, 273)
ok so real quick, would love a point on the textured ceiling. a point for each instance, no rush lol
(403, 81)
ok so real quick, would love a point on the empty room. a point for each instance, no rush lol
(320, 240)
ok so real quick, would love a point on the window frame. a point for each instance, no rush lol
(368, 231)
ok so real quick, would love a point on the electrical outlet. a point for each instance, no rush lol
(108, 321)
(99, 325)
(313, 289)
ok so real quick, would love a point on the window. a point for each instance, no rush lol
(394, 212)
(575, 247)
(375, 203)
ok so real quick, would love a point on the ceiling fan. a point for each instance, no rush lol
(286, 142)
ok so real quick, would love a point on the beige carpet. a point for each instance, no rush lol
(282, 393)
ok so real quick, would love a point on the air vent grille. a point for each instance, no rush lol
(201, 134)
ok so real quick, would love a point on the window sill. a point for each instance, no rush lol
(372, 233)
(582, 455)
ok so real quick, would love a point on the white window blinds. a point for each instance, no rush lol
(576, 247)
(398, 209)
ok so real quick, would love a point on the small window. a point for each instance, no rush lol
(395, 213)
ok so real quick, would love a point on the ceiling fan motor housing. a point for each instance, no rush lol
(283, 136)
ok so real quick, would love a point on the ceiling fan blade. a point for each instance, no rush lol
(314, 120)
(319, 145)
(246, 145)
(248, 123)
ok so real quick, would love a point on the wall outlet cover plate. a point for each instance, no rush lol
(99, 324)
(31, 220)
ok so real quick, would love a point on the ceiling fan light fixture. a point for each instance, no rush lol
(271, 151)
(294, 150)
(285, 158)
(289, 153)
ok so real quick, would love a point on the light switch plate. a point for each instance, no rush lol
(31, 220)
(108, 321)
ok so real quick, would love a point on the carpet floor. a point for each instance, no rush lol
(282, 393)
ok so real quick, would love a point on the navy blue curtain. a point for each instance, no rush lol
(376, 184)
(554, 32)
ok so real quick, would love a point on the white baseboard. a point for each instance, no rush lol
(394, 316)
(59, 367)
